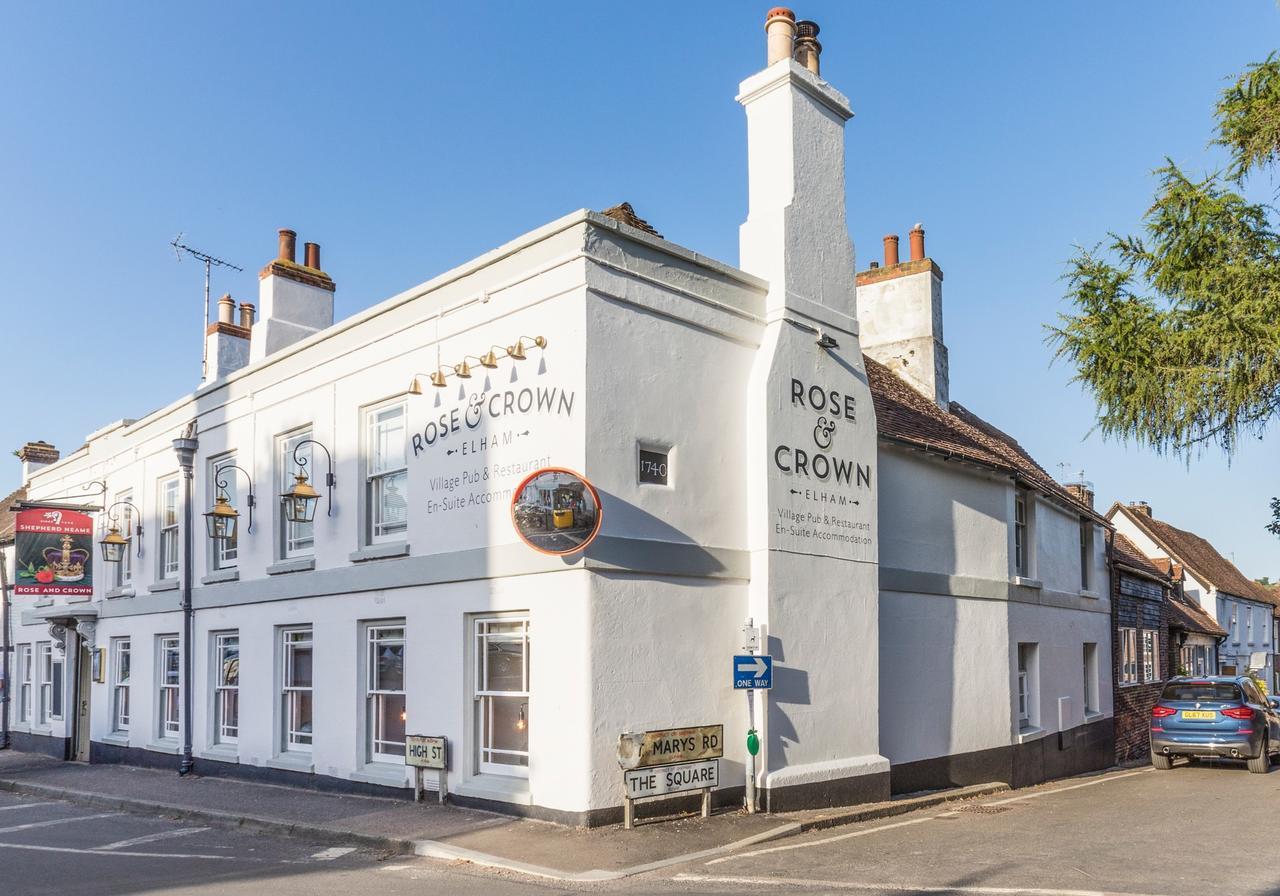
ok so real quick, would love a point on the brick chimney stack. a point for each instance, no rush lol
(1081, 491)
(1141, 507)
(35, 456)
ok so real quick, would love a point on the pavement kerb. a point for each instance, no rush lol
(221, 819)
(438, 850)
(901, 807)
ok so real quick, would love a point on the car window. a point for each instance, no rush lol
(1251, 692)
(1206, 691)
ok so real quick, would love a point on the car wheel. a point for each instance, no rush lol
(1261, 764)
(1162, 762)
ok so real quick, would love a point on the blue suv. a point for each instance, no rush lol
(1215, 716)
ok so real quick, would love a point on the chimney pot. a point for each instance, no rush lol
(226, 309)
(288, 245)
(246, 315)
(917, 242)
(807, 48)
(312, 251)
(780, 33)
(890, 250)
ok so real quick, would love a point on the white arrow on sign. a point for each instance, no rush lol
(756, 667)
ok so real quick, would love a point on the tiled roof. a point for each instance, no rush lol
(904, 415)
(6, 517)
(1188, 615)
(627, 215)
(1201, 558)
(1127, 553)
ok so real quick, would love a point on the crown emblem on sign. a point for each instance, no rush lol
(68, 563)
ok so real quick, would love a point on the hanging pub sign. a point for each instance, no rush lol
(54, 551)
(556, 511)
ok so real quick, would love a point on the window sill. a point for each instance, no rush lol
(1092, 715)
(293, 762)
(221, 753)
(164, 746)
(380, 552)
(1026, 735)
(1026, 582)
(43, 602)
(79, 598)
(221, 575)
(164, 585)
(383, 773)
(125, 591)
(497, 788)
(1085, 592)
(116, 738)
(300, 564)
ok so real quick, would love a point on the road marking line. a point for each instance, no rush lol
(894, 887)
(23, 806)
(45, 824)
(134, 855)
(1039, 793)
(333, 852)
(885, 827)
(860, 833)
(151, 838)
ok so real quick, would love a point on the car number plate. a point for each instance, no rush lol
(1198, 714)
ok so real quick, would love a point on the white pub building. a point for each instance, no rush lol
(772, 441)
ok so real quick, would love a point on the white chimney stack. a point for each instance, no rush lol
(226, 342)
(294, 300)
(900, 315)
(795, 235)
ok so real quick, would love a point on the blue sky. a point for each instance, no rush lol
(406, 139)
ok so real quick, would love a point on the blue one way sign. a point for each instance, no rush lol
(752, 672)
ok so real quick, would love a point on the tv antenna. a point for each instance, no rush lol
(1064, 471)
(209, 261)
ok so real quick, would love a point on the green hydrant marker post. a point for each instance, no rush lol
(753, 742)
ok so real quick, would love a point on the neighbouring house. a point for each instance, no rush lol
(1141, 612)
(937, 606)
(1244, 609)
(1194, 635)
(995, 659)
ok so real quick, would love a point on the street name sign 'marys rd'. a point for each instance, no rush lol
(673, 760)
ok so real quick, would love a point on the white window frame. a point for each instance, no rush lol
(226, 696)
(121, 655)
(168, 693)
(378, 634)
(1086, 553)
(1128, 638)
(295, 539)
(1248, 622)
(1150, 656)
(44, 683)
(1022, 533)
(23, 656)
(385, 472)
(1091, 689)
(484, 697)
(224, 553)
(123, 573)
(293, 738)
(167, 538)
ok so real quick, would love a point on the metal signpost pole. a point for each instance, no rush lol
(6, 607)
(185, 447)
(751, 756)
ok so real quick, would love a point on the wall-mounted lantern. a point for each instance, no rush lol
(114, 545)
(223, 519)
(299, 502)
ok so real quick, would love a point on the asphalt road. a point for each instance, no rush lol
(1190, 831)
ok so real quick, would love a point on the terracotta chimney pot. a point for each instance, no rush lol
(917, 242)
(312, 251)
(246, 315)
(890, 250)
(780, 33)
(808, 50)
(226, 309)
(288, 245)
